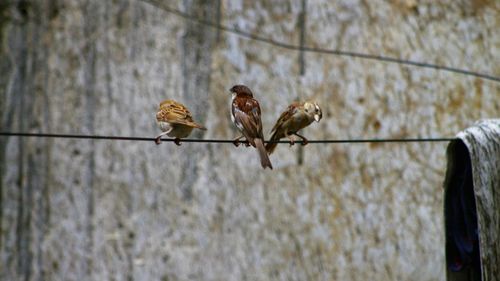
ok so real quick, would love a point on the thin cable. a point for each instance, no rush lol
(122, 138)
(288, 46)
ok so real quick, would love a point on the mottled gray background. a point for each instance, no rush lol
(106, 210)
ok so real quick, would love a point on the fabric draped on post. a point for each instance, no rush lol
(471, 203)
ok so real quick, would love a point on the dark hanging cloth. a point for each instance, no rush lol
(472, 203)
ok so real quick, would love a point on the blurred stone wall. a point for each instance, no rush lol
(107, 210)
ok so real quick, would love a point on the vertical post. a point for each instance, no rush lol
(218, 17)
(90, 77)
(198, 43)
(302, 39)
(302, 63)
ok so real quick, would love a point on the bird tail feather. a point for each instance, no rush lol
(198, 126)
(270, 146)
(264, 158)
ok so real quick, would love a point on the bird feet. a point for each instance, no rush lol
(237, 142)
(304, 140)
(177, 141)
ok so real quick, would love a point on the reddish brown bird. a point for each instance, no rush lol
(297, 116)
(245, 114)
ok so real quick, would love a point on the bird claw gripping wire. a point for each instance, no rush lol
(177, 141)
(237, 142)
(304, 140)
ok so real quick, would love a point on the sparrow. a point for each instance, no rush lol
(245, 114)
(175, 120)
(297, 116)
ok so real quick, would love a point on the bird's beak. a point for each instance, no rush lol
(316, 117)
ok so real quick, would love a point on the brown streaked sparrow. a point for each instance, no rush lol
(175, 120)
(297, 116)
(245, 114)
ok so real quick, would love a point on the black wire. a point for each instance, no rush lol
(251, 36)
(101, 137)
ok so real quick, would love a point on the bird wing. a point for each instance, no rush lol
(285, 116)
(176, 113)
(246, 112)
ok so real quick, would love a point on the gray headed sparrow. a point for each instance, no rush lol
(245, 114)
(297, 116)
(175, 120)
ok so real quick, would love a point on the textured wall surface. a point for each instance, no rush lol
(104, 210)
